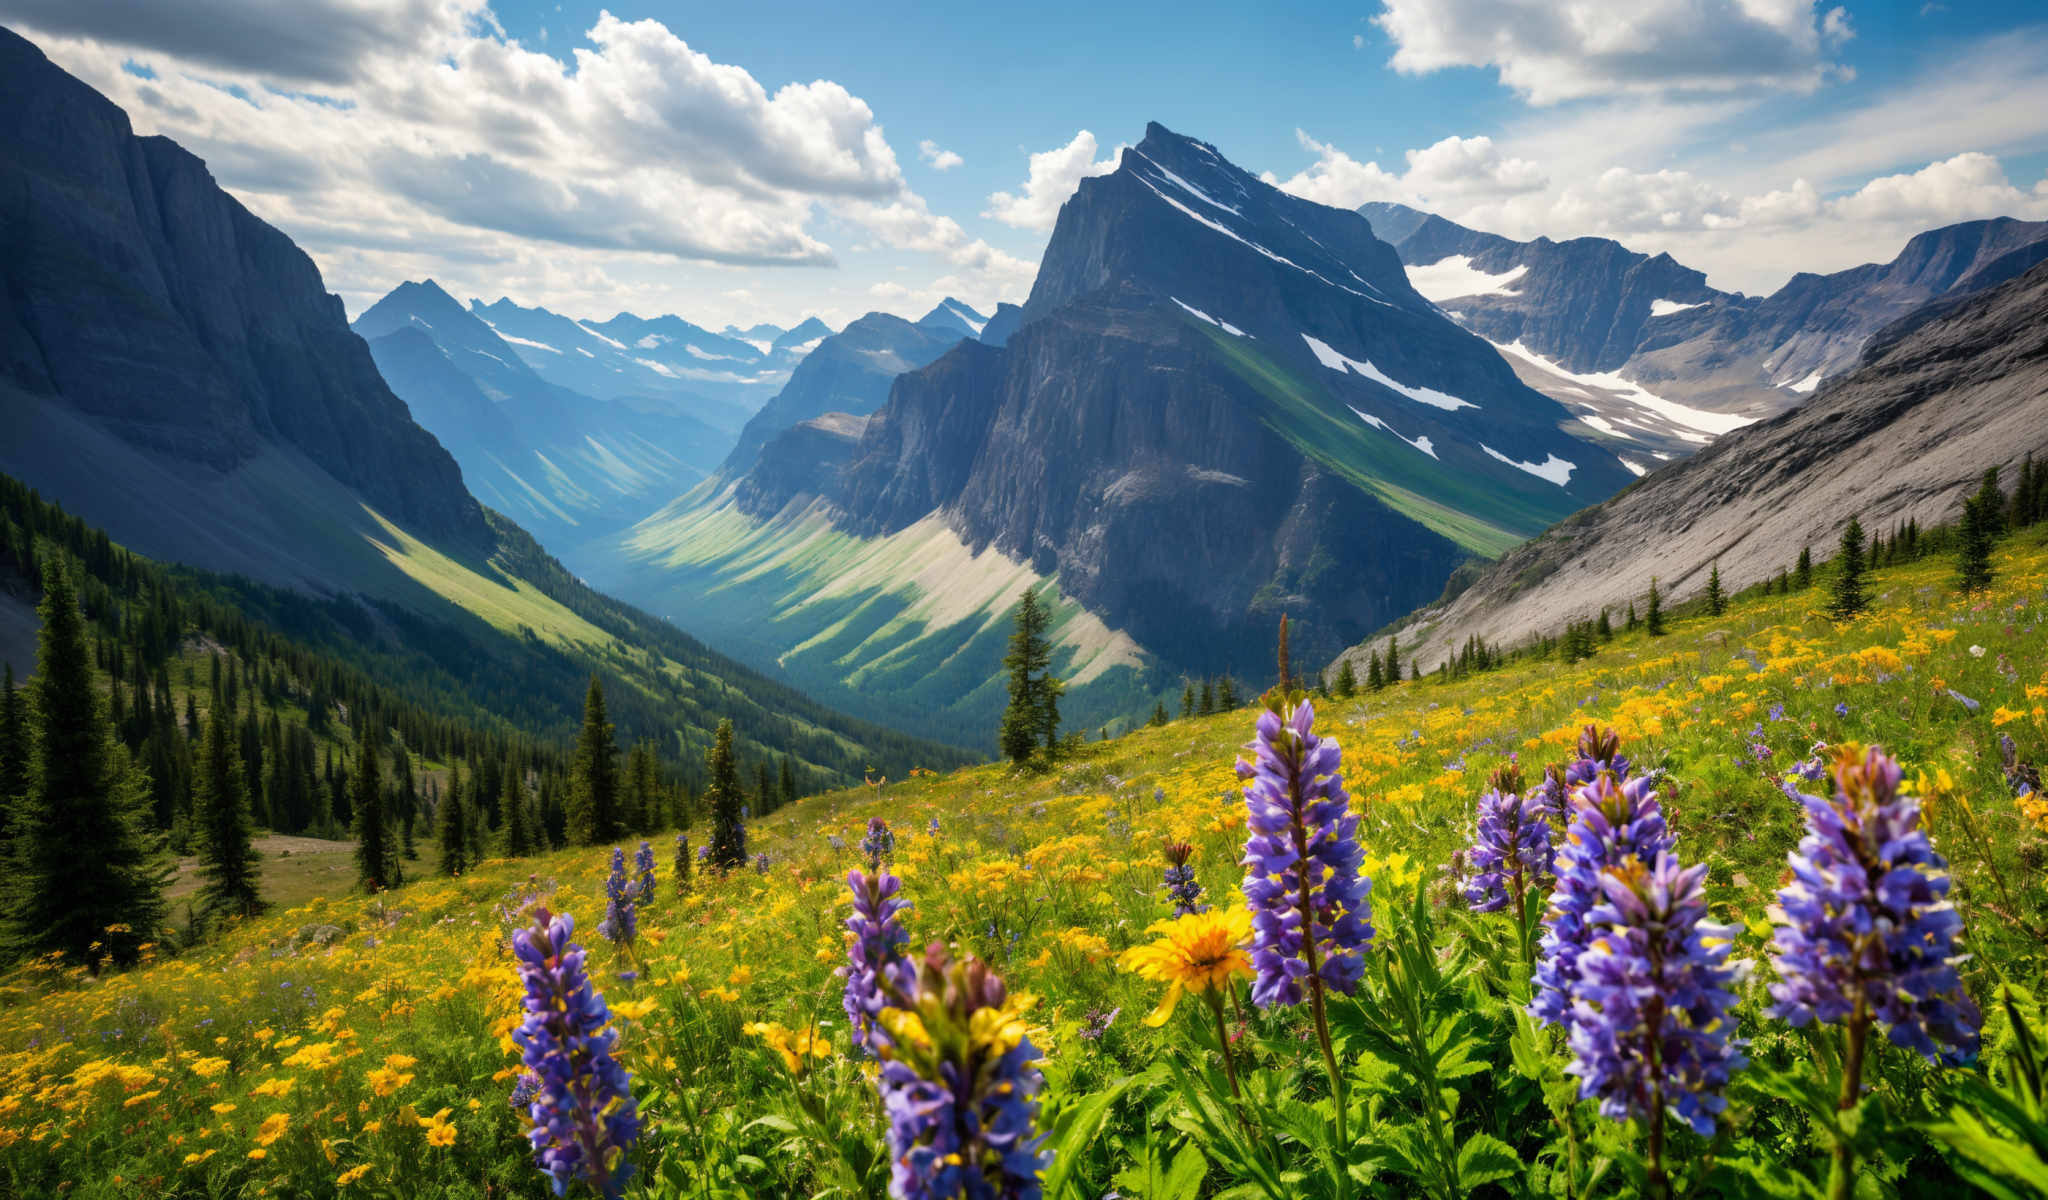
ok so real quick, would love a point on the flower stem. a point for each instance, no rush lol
(1842, 1174)
(1223, 1040)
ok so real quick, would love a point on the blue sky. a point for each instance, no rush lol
(656, 157)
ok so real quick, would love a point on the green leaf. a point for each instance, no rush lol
(1485, 1158)
(1073, 1129)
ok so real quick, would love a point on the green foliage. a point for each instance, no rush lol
(1653, 611)
(224, 832)
(1717, 600)
(452, 826)
(377, 854)
(594, 775)
(1847, 598)
(728, 832)
(1031, 721)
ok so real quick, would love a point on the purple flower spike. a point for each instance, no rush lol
(874, 954)
(1867, 926)
(879, 843)
(1613, 823)
(1652, 1024)
(1510, 853)
(1181, 886)
(621, 918)
(643, 861)
(584, 1119)
(1302, 883)
(1599, 750)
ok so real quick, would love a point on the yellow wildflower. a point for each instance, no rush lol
(273, 1128)
(1200, 952)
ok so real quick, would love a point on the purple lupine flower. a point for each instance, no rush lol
(681, 870)
(761, 863)
(1599, 750)
(932, 829)
(1308, 899)
(1181, 887)
(1613, 823)
(1777, 712)
(1842, 708)
(878, 844)
(643, 861)
(524, 1089)
(960, 1089)
(1867, 929)
(1652, 1022)
(703, 853)
(1510, 853)
(874, 953)
(621, 919)
(584, 1119)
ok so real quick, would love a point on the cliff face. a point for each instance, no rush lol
(1939, 396)
(849, 371)
(138, 294)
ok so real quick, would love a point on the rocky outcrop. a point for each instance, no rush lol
(1939, 396)
(849, 371)
(139, 294)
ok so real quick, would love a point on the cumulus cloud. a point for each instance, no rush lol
(401, 133)
(1454, 169)
(1550, 53)
(1961, 188)
(1053, 177)
(940, 160)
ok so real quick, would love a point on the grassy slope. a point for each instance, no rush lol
(1045, 875)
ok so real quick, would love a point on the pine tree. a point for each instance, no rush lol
(1347, 680)
(1605, 628)
(376, 864)
(2024, 497)
(521, 838)
(452, 826)
(87, 875)
(1028, 661)
(1991, 504)
(728, 832)
(1286, 668)
(1654, 611)
(1848, 599)
(1187, 698)
(1391, 672)
(643, 789)
(1634, 622)
(1226, 694)
(1158, 714)
(225, 835)
(1802, 574)
(1375, 679)
(1973, 546)
(1208, 697)
(1414, 671)
(13, 752)
(786, 781)
(1717, 600)
(594, 776)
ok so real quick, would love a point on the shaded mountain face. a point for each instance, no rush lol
(954, 317)
(566, 466)
(846, 372)
(1652, 356)
(1220, 404)
(1940, 395)
(122, 250)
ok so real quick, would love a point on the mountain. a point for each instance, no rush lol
(848, 372)
(1652, 356)
(1940, 395)
(760, 337)
(1004, 323)
(566, 466)
(952, 316)
(173, 371)
(801, 340)
(1220, 403)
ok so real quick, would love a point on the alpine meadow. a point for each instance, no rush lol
(643, 604)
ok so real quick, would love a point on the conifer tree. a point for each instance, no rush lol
(1375, 679)
(1973, 546)
(1187, 698)
(1024, 726)
(640, 811)
(1848, 599)
(1414, 671)
(728, 832)
(1226, 694)
(2025, 496)
(1634, 622)
(376, 862)
(1605, 628)
(1802, 574)
(786, 781)
(594, 777)
(1991, 504)
(1158, 714)
(1654, 611)
(521, 838)
(1347, 680)
(13, 752)
(225, 835)
(1717, 600)
(87, 875)
(1391, 672)
(452, 826)
(1208, 697)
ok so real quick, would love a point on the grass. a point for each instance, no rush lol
(161, 1080)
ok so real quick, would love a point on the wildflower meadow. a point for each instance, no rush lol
(1753, 908)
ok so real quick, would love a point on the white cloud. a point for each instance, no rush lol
(941, 160)
(1962, 188)
(1550, 52)
(426, 142)
(1456, 168)
(1054, 176)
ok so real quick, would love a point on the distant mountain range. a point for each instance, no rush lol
(1221, 403)
(1957, 386)
(1647, 353)
(173, 370)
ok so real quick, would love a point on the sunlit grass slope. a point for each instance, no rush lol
(306, 1048)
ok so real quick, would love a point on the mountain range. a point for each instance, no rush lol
(1220, 403)
(1645, 351)
(1957, 386)
(173, 370)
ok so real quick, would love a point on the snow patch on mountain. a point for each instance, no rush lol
(1552, 469)
(1235, 236)
(1664, 308)
(1421, 395)
(614, 343)
(1456, 277)
(1807, 384)
(1697, 419)
(1634, 469)
(1198, 314)
(1190, 188)
(1421, 443)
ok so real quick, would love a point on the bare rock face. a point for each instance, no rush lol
(142, 296)
(849, 372)
(1940, 395)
